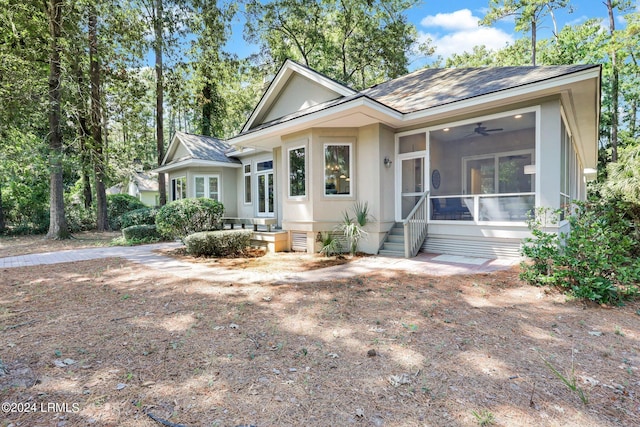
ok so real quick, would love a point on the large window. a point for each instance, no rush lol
(297, 172)
(208, 186)
(178, 188)
(247, 183)
(337, 170)
(569, 170)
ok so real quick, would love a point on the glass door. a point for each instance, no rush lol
(411, 183)
(265, 194)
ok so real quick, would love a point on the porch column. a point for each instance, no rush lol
(548, 156)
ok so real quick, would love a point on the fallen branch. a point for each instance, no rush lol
(19, 325)
(158, 419)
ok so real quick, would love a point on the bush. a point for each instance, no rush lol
(118, 204)
(79, 218)
(597, 260)
(187, 216)
(142, 216)
(141, 233)
(218, 243)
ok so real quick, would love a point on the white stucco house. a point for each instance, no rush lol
(449, 160)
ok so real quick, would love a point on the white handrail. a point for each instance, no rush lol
(415, 226)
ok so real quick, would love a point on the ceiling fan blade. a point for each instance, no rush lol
(493, 130)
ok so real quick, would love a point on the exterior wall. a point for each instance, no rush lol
(180, 152)
(290, 99)
(149, 198)
(228, 191)
(548, 156)
(250, 210)
(371, 182)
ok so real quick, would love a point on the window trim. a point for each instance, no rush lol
(244, 183)
(306, 174)
(174, 182)
(206, 185)
(351, 177)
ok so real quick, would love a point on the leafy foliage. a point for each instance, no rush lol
(183, 217)
(141, 233)
(330, 245)
(221, 243)
(142, 216)
(353, 228)
(598, 260)
(119, 204)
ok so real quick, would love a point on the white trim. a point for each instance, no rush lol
(207, 190)
(282, 77)
(306, 172)
(244, 183)
(171, 147)
(195, 162)
(182, 178)
(351, 176)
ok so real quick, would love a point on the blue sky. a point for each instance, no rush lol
(453, 25)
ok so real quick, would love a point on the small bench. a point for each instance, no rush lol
(250, 221)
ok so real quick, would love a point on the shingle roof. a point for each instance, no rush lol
(205, 148)
(431, 87)
(145, 182)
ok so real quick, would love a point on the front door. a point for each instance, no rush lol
(411, 183)
(265, 189)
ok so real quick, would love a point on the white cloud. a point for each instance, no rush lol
(458, 20)
(461, 34)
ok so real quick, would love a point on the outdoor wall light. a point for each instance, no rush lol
(387, 161)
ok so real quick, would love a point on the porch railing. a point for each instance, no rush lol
(415, 226)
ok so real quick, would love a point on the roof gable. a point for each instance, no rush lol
(295, 88)
(186, 146)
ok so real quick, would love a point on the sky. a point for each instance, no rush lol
(453, 25)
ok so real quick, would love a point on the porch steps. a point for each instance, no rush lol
(394, 243)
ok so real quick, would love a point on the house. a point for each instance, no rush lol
(143, 186)
(449, 160)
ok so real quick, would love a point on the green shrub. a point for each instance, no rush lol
(596, 260)
(79, 218)
(330, 245)
(142, 216)
(118, 204)
(141, 233)
(187, 216)
(221, 243)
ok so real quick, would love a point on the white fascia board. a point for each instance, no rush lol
(174, 142)
(279, 81)
(525, 92)
(373, 108)
(193, 163)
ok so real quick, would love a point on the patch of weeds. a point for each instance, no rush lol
(129, 376)
(569, 380)
(484, 417)
(175, 344)
(58, 353)
(411, 327)
(125, 297)
(618, 331)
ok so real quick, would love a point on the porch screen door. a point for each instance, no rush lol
(412, 183)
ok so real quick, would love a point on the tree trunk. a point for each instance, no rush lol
(614, 85)
(85, 157)
(158, 45)
(57, 222)
(102, 222)
(3, 225)
(534, 37)
(207, 110)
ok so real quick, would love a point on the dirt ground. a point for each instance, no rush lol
(24, 245)
(112, 343)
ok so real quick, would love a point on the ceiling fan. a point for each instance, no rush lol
(482, 130)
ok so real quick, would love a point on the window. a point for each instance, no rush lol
(569, 170)
(178, 188)
(247, 183)
(337, 169)
(297, 172)
(208, 186)
(498, 173)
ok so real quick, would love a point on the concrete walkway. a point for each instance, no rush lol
(429, 264)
